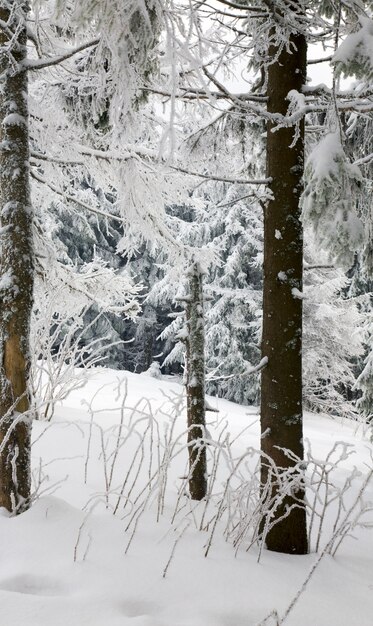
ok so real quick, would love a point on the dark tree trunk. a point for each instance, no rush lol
(281, 403)
(16, 261)
(195, 362)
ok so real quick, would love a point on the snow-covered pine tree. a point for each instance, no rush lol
(332, 340)
(61, 160)
(231, 228)
(340, 175)
(223, 225)
(273, 41)
(360, 149)
(94, 240)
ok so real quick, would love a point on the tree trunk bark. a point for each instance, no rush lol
(281, 399)
(195, 350)
(16, 260)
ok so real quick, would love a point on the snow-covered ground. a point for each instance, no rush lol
(70, 561)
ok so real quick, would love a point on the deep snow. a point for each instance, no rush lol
(42, 585)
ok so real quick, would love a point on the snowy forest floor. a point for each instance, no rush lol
(64, 562)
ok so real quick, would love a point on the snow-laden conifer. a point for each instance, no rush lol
(329, 199)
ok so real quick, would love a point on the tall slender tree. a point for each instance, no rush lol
(16, 259)
(195, 384)
(281, 390)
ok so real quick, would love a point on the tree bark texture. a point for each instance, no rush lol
(195, 362)
(281, 396)
(16, 260)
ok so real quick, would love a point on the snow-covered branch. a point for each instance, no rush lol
(73, 199)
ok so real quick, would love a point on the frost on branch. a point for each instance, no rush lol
(144, 193)
(355, 54)
(329, 199)
(70, 332)
(93, 283)
(125, 54)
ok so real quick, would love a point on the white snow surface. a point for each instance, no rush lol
(42, 585)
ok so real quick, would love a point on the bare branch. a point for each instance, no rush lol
(39, 64)
(318, 267)
(222, 179)
(324, 60)
(364, 160)
(189, 93)
(248, 372)
(244, 7)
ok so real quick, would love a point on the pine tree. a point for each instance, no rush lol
(53, 167)
(360, 147)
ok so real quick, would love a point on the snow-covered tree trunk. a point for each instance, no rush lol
(195, 385)
(16, 259)
(281, 399)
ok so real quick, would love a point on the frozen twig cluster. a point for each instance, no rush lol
(143, 460)
(64, 352)
(143, 453)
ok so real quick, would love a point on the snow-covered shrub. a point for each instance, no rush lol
(145, 462)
